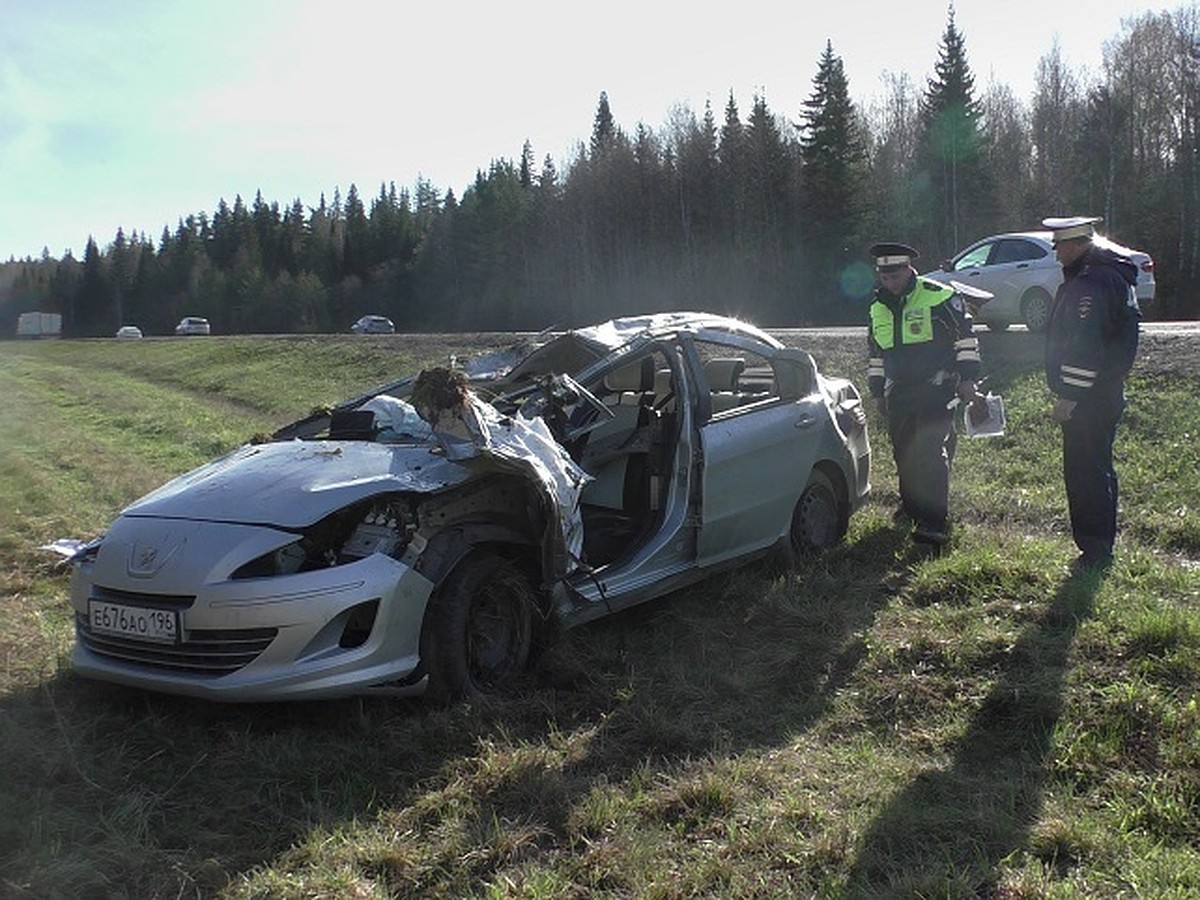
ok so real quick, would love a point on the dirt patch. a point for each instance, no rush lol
(1170, 353)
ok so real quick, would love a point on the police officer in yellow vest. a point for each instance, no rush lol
(921, 354)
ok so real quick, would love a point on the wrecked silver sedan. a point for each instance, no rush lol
(364, 550)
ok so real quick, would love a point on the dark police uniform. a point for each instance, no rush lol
(1091, 342)
(920, 346)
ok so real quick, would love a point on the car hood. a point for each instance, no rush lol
(291, 484)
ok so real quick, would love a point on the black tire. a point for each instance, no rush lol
(1035, 309)
(817, 521)
(481, 629)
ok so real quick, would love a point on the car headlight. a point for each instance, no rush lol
(380, 525)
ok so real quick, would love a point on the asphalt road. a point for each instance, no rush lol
(1189, 327)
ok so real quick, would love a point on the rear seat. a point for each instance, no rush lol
(722, 375)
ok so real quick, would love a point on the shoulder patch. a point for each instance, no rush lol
(1085, 307)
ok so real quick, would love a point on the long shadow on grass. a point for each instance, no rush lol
(745, 661)
(748, 660)
(742, 660)
(151, 795)
(111, 791)
(947, 832)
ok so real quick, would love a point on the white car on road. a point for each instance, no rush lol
(1020, 269)
(193, 325)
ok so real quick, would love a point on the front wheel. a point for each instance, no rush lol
(817, 520)
(1035, 309)
(480, 633)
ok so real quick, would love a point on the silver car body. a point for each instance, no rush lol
(193, 325)
(308, 566)
(1021, 271)
(373, 325)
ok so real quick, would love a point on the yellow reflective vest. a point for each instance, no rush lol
(916, 318)
(921, 341)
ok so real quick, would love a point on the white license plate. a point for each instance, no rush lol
(158, 625)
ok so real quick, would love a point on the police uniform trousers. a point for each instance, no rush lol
(1088, 472)
(921, 434)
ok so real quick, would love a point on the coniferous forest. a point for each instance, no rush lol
(763, 213)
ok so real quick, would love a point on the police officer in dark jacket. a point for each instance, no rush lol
(1091, 341)
(921, 354)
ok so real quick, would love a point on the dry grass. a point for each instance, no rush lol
(877, 723)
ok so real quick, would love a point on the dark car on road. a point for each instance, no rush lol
(373, 325)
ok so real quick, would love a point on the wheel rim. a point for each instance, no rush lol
(1037, 311)
(815, 523)
(498, 634)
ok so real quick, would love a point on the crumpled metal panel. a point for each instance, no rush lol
(292, 484)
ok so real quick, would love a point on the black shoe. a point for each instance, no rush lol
(926, 534)
(1092, 562)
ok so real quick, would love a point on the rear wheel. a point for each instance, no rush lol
(817, 521)
(1035, 309)
(481, 629)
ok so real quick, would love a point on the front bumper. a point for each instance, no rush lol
(349, 629)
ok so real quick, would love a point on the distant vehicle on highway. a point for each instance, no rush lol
(373, 325)
(193, 325)
(129, 333)
(39, 325)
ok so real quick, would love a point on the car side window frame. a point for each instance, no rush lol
(1027, 251)
(976, 257)
(757, 358)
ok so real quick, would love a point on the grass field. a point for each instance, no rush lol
(878, 723)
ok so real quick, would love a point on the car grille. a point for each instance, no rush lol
(163, 601)
(205, 652)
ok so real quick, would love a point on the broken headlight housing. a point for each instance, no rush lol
(379, 525)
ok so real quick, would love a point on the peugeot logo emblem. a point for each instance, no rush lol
(147, 560)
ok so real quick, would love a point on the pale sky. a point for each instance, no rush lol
(138, 112)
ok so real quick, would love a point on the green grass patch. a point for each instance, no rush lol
(877, 722)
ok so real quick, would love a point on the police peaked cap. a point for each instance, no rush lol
(892, 256)
(1071, 227)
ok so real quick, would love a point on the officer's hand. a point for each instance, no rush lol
(881, 405)
(1062, 410)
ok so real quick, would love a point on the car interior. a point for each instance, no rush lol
(630, 449)
(629, 455)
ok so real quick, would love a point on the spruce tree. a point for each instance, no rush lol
(357, 249)
(526, 171)
(952, 146)
(731, 174)
(834, 158)
(92, 307)
(604, 129)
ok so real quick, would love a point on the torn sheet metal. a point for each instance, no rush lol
(66, 547)
(476, 428)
